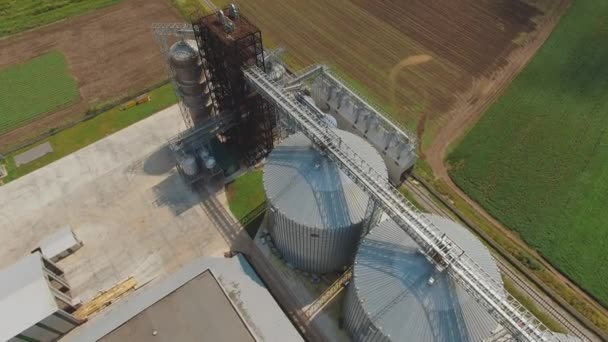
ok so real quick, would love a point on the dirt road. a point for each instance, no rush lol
(110, 52)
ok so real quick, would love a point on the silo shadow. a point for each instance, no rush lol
(159, 162)
(174, 194)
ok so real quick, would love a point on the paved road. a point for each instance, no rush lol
(429, 204)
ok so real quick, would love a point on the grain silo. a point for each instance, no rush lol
(316, 212)
(192, 88)
(354, 114)
(396, 294)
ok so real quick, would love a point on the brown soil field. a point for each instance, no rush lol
(110, 52)
(467, 40)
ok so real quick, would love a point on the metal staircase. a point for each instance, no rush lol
(439, 249)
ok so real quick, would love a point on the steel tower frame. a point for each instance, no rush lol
(225, 53)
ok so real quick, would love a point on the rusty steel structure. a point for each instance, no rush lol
(228, 42)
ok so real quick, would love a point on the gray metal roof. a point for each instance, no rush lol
(392, 279)
(25, 297)
(196, 309)
(310, 189)
(58, 242)
(238, 280)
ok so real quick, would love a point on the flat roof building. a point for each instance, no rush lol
(211, 299)
(35, 303)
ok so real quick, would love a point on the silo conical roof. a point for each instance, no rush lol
(308, 188)
(392, 286)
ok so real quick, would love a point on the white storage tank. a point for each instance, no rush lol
(188, 164)
(316, 211)
(396, 294)
(210, 162)
(192, 88)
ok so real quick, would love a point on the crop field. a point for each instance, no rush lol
(373, 45)
(111, 53)
(538, 159)
(35, 87)
(19, 15)
(245, 193)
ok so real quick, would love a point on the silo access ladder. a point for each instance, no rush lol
(438, 248)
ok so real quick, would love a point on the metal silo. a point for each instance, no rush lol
(191, 86)
(316, 212)
(396, 294)
(188, 164)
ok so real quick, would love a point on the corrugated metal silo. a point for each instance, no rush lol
(316, 211)
(392, 298)
(188, 165)
(192, 88)
(352, 114)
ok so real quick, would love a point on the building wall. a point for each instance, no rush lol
(60, 321)
(41, 333)
(49, 329)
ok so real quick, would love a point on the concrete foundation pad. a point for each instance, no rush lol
(33, 154)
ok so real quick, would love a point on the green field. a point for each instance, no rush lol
(87, 132)
(538, 159)
(19, 15)
(245, 194)
(38, 86)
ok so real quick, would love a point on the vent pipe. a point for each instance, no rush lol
(233, 12)
(220, 17)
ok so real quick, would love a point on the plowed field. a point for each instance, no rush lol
(365, 41)
(110, 52)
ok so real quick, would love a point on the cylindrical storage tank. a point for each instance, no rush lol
(194, 89)
(316, 212)
(210, 162)
(391, 296)
(195, 101)
(188, 165)
(185, 62)
(191, 86)
(203, 153)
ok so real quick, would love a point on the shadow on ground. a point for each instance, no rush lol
(174, 194)
(159, 162)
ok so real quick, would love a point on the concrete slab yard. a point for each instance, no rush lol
(124, 200)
